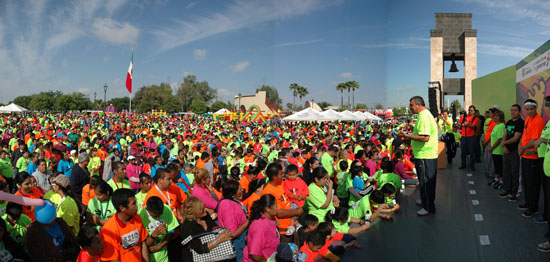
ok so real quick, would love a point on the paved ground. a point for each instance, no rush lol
(453, 234)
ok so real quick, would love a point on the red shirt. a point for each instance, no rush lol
(470, 120)
(297, 186)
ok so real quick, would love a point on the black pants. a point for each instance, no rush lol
(531, 170)
(477, 148)
(450, 144)
(467, 148)
(427, 176)
(510, 172)
(545, 181)
(497, 160)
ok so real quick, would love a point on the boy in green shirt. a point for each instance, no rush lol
(363, 208)
(16, 222)
(158, 217)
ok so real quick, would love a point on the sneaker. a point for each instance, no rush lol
(497, 185)
(423, 212)
(512, 198)
(419, 202)
(523, 207)
(544, 247)
(290, 231)
(539, 220)
(492, 183)
(529, 213)
(504, 195)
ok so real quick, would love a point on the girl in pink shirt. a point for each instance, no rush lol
(263, 235)
(232, 215)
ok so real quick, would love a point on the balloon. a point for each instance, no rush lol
(45, 214)
(25, 201)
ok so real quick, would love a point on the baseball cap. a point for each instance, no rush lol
(131, 157)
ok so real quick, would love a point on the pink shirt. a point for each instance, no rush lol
(133, 171)
(372, 167)
(262, 239)
(204, 195)
(231, 214)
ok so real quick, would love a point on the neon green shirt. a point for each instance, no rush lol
(317, 197)
(497, 133)
(101, 209)
(118, 185)
(167, 217)
(361, 208)
(425, 125)
(68, 210)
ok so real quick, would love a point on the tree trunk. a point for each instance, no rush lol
(342, 98)
(348, 100)
(294, 103)
(353, 98)
(300, 100)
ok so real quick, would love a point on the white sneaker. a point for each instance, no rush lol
(290, 231)
(423, 212)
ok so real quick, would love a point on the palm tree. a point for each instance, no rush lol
(341, 87)
(302, 91)
(294, 88)
(348, 87)
(353, 85)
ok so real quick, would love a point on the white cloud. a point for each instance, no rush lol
(512, 10)
(114, 32)
(239, 67)
(83, 90)
(186, 74)
(346, 75)
(405, 88)
(404, 45)
(199, 54)
(237, 14)
(503, 50)
(298, 43)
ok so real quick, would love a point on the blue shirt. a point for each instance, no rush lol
(181, 174)
(154, 170)
(66, 167)
(31, 168)
(358, 183)
(56, 234)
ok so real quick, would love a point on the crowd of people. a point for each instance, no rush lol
(131, 187)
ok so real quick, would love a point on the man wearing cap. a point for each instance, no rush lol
(531, 165)
(424, 145)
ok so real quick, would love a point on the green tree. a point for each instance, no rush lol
(198, 106)
(171, 105)
(290, 106)
(153, 97)
(191, 89)
(458, 106)
(219, 105)
(272, 94)
(353, 85)
(294, 88)
(324, 105)
(120, 103)
(399, 111)
(23, 101)
(302, 91)
(73, 101)
(42, 102)
(379, 106)
(341, 87)
(361, 106)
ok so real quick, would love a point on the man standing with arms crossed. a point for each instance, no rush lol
(424, 145)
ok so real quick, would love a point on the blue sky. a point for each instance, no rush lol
(238, 45)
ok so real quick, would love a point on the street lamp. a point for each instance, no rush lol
(239, 109)
(104, 96)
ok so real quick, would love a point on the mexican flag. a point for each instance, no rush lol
(129, 75)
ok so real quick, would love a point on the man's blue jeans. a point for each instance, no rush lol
(427, 177)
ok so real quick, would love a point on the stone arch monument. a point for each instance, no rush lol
(453, 39)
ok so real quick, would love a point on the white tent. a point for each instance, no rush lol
(347, 115)
(12, 108)
(222, 111)
(360, 115)
(307, 114)
(371, 116)
(331, 115)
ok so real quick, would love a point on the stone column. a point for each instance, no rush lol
(436, 60)
(470, 64)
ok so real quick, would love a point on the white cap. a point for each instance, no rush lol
(73, 152)
(131, 157)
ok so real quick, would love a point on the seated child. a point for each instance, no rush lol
(297, 191)
(388, 176)
(341, 177)
(310, 224)
(340, 218)
(92, 246)
(16, 222)
(364, 208)
(313, 245)
(389, 197)
(337, 242)
(100, 207)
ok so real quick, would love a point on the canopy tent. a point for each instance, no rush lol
(307, 114)
(331, 115)
(371, 116)
(222, 111)
(12, 108)
(360, 115)
(347, 115)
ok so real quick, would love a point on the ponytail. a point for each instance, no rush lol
(259, 206)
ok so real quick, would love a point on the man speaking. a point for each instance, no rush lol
(424, 145)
